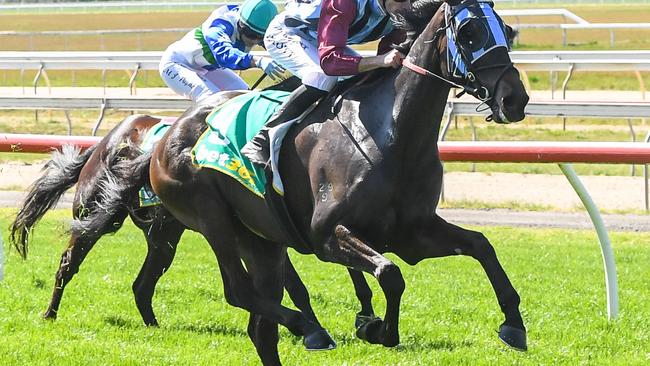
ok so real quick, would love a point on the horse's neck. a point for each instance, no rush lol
(419, 105)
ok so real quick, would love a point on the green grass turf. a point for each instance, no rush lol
(449, 314)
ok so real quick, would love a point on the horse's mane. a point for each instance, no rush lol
(418, 16)
(414, 20)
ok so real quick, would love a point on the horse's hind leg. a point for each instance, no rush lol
(265, 266)
(162, 238)
(437, 238)
(264, 335)
(81, 242)
(227, 236)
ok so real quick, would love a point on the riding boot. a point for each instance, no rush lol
(258, 149)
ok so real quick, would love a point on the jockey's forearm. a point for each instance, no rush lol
(231, 58)
(371, 63)
(340, 64)
(218, 39)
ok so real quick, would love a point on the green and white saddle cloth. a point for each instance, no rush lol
(230, 126)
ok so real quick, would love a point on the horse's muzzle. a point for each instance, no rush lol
(510, 104)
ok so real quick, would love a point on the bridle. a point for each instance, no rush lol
(467, 80)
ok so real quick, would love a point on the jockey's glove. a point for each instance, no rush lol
(271, 68)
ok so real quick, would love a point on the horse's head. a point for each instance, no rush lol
(476, 57)
(472, 46)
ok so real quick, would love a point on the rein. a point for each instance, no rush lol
(424, 72)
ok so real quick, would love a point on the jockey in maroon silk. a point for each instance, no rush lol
(311, 39)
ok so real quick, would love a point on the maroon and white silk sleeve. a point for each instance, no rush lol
(335, 19)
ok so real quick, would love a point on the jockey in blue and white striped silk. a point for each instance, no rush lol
(310, 39)
(201, 63)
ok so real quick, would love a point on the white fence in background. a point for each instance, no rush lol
(455, 107)
(133, 62)
(465, 107)
(612, 27)
(2, 258)
(541, 12)
(101, 59)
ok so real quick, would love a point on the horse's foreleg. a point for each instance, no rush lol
(364, 295)
(297, 291)
(162, 239)
(438, 238)
(346, 249)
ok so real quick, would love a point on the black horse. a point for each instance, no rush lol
(375, 149)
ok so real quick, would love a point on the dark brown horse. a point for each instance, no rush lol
(107, 192)
(375, 150)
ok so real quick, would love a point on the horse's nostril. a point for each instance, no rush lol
(508, 102)
(512, 108)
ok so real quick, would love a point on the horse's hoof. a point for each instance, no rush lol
(513, 337)
(49, 315)
(362, 319)
(390, 342)
(371, 331)
(153, 323)
(319, 340)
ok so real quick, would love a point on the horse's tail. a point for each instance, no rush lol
(59, 175)
(118, 188)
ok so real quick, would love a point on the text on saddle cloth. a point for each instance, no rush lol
(230, 127)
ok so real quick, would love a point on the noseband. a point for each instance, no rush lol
(463, 61)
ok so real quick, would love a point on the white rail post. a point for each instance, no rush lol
(611, 282)
(2, 258)
(645, 179)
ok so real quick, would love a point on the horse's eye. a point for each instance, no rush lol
(473, 35)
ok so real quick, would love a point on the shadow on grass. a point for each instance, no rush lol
(211, 329)
(411, 344)
(117, 321)
(120, 322)
(419, 344)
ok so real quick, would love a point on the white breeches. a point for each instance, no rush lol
(298, 53)
(196, 85)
